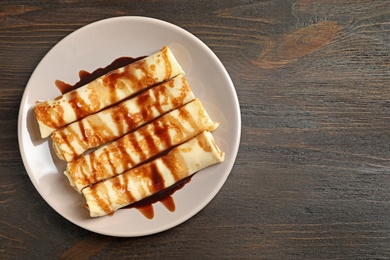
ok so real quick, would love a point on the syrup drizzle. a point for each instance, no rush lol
(145, 206)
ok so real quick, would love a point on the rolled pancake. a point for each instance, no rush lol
(136, 147)
(107, 125)
(105, 91)
(143, 181)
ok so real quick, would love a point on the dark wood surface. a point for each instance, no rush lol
(312, 176)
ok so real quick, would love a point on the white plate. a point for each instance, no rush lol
(97, 45)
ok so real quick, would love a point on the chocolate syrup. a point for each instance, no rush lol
(87, 77)
(145, 206)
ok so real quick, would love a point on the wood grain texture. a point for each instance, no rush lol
(312, 177)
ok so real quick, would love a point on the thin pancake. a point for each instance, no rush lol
(183, 161)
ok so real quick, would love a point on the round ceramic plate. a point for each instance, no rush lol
(97, 45)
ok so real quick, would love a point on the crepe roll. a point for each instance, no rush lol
(92, 131)
(173, 128)
(138, 183)
(106, 91)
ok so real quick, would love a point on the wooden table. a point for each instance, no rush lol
(312, 176)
